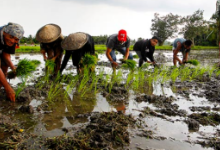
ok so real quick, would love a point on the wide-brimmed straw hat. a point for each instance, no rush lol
(48, 33)
(74, 41)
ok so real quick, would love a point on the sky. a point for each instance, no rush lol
(97, 17)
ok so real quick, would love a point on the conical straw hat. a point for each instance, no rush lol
(74, 41)
(48, 33)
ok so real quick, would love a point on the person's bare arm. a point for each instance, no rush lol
(8, 89)
(126, 54)
(7, 59)
(185, 58)
(43, 52)
(110, 58)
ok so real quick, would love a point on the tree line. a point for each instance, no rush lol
(193, 27)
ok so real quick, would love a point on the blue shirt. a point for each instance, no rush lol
(181, 40)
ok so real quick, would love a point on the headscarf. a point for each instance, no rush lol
(14, 29)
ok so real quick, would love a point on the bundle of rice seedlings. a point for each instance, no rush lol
(25, 67)
(135, 56)
(193, 62)
(129, 64)
(50, 65)
(89, 61)
(36, 62)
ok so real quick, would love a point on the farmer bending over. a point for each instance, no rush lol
(145, 49)
(119, 42)
(50, 39)
(181, 45)
(9, 38)
(77, 45)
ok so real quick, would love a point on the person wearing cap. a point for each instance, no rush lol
(9, 37)
(119, 42)
(145, 49)
(77, 45)
(50, 39)
(181, 45)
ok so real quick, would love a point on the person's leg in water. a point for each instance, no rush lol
(141, 61)
(58, 59)
(123, 51)
(65, 61)
(76, 57)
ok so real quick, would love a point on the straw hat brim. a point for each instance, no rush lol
(48, 33)
(74, 41)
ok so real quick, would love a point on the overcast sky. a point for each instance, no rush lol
(97, 17)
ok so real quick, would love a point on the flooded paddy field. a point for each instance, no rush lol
(149, 109)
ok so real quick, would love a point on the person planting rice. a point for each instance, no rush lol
(121, 43)
(181, 45)
(50, 39)
(9, 37)
(145, 49)
(77, 45)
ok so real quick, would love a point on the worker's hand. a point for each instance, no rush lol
(14, 70)
(53, 59)
(10, 94)
(114, 64)
(45, 58)
(180, 63)
(123, 60)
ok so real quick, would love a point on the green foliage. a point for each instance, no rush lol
(193, 62)
(165, 27)
(135, 56)
(50, 65)
(129, 64)
(89, 61)
(25, 67)
(194, 25)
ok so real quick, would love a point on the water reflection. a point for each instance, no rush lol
(80, 105)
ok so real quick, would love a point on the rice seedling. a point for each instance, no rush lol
(174, 74)
(20, 88)
(89, 61)
(193, 62)
(25, 67)
(145, 65)
(50, 65)
(36, 62)
(185, 73)
(129, 79)
(129, 64)
(54, 91)
(135, 56)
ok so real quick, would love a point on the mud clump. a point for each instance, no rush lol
(193, 125)
(105, 131)
(27, 109)
(118, 93)
(205, 108)
(158, 101)
(164, 103)
(210, 142)
(206, 118)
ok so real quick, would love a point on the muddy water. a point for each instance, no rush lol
(174, 130)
